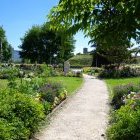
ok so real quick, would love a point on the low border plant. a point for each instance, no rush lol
(125, 118)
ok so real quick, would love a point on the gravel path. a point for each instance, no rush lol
(83, 117)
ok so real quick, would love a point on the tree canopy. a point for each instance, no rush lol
(5, 47)
(110, 24)
(40, 44)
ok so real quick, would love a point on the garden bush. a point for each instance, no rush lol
(50, 90)
(7, 72)
(120, 92)
(92, 70)
(122, 72)
(48, 93)
(47, 71)
(13, 130)
(126, 122)
(20, 115)
(74, 73)
(125, 119)
(31, 67)
(26, 100)
(51, 94)
(30, 86)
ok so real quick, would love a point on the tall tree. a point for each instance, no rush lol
(110, 24)
(40, 44)
(5, 47)
(66, 47)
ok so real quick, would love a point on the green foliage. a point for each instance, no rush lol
(110, 24)
(81, 61)
(103, 56)
(29, 86)
(6, 49)
(47, 71)
(120, 92)
(125, 123)
(70, 83)
(8, 72)
(73, 73)
(122, 72)
(125, 119)
(98, 58)
(24, 102)
(26, 71)
(92, 70)
(13, 130)
(47, 107)
(40, 44)
(20, 115)
(41, 49)
(50, 90)
(121, 81)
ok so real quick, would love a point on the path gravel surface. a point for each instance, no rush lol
(82, 117)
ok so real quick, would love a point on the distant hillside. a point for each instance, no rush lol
(15, 56)
(82, 60)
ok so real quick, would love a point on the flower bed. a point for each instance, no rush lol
(122, 72)
(24, 104)
(125, 118)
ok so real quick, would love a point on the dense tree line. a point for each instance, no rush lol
(111, 25)
(41, 44)
(5, 47)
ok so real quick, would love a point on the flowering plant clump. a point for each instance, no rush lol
(125, 120)
(121, 93)
(122, 72)
(26, 100)
(50, 90)
(51, 94)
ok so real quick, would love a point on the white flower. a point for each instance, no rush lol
(27, 79)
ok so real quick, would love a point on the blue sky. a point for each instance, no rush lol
(17, 16)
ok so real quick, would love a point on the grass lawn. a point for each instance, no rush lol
(70, 83)
(115, 82)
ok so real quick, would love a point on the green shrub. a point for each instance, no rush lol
(125, 123)
(123, 72)
(50, 90)
(7, 72)
(119, 93)
(47, 107)
(70, 74)
(20, 115)
(92, 70)
(13, 130)
(30, 86)
(73, 73)
(52, 94)
(47, 71)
